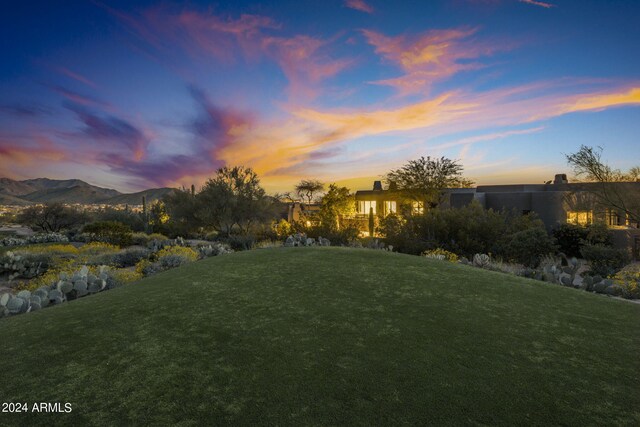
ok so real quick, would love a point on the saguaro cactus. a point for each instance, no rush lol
(371, 222)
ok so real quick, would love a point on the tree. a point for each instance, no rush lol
(181, 206)
(609, 194)
(233, 199)
(337, 204)
(307, 188)
(53, 217)
(423, 180)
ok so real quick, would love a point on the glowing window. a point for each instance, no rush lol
(579, 217)
(418, 207)
(390, 207)
(365, 205)
(612, 217)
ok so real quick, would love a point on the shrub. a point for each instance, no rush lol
(441, 254)
(214, 249)
(570, 238)
(130, 256)
(603, 260)
(98, 248)
(175, 256)
(528, 247)
(239, 242)
(38, 238)
(53, 250)
(111, 232)
(119, 277)
(139, 239)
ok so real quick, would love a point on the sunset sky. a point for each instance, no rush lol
(161, 94)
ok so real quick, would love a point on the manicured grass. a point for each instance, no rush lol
(327, 336)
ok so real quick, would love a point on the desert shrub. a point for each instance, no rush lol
(603, 260)
(130, 256)
(598, 234)
(53, 250)
(464, 231)
(570, 238)
(265, 244)
(111, 232)
(528, 247)
(441, 254)
(239, 242)
(213, 249)
(38, 238)
(175, 256)
(139, 239)
(283, 229)
(119, 277)
(98, 248)
(629, 279)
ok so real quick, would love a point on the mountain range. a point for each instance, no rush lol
(44, 190)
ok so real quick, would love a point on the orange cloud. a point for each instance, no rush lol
(360, 5)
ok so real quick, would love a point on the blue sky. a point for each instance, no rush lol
(133, 95)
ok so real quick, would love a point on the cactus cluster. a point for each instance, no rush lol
(69, 286)
(37, 238)
(481, 261)
(213, 249)
(301, 239)
(23, 266)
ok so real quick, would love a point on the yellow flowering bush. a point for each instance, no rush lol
(63, 249)
(187, 253)
(124, 276)
(629, 280)
(99, 248)
(442, 254)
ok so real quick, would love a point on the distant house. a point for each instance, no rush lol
(555, 202)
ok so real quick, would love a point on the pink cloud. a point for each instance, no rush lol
(538, 3)
(430, 57)
(360, 5)
(304, 60)
(75, 76)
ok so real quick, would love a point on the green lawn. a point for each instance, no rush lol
(327, 336)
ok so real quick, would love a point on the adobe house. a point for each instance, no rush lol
(555, 202)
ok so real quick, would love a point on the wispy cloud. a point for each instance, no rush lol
(76, 76)
(430, 57)
(303, 59)
(538, 3)
(360, 5)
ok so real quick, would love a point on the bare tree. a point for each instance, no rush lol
(611, 191)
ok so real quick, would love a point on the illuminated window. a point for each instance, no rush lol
(417, 207)
(579, 217)
(389, 207)
(365, 205)
(612, 217)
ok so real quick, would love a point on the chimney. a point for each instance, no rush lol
(560, 178)
(377, 185)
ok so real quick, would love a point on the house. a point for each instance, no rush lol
(555, 202)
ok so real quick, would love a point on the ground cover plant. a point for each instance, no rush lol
(326, 336)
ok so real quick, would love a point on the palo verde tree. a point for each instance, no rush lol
(233, 200)
(423, 180)
(306, 189)
(587, 164)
